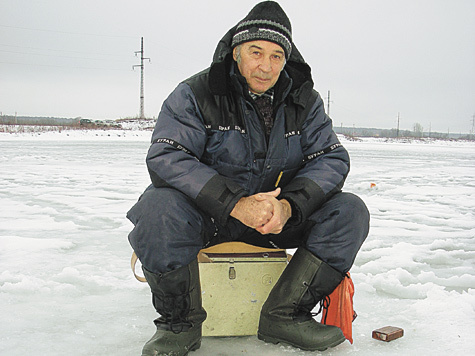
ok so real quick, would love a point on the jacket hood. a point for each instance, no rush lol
(296, 67)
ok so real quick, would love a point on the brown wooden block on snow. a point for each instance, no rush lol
(388, 333)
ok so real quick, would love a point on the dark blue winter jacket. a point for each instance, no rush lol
(210, 143)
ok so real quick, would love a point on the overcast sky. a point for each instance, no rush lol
(377, 58)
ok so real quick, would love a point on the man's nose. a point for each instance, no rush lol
(266, 65)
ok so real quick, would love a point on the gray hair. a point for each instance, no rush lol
(238, 53)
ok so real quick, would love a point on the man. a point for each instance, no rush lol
(244, 151)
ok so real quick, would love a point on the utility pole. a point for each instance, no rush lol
(142, 115)
(473, 126)
(328, 105)
(397, 131)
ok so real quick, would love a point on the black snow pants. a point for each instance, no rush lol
(169, 230)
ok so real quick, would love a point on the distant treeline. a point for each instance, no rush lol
(79, 122)
(44, 121)
(394, 133)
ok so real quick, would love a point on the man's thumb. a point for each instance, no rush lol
(274, 193)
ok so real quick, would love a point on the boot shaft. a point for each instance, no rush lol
(176, 296)
(305, 281)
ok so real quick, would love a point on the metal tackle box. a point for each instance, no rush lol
(236, 279)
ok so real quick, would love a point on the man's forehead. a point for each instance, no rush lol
(264, 45)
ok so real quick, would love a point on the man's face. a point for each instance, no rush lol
(260, 62)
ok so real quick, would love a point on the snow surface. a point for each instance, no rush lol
(66, 287)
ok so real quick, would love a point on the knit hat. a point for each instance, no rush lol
(266, 21)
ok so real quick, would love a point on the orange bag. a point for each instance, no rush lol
(340, 311)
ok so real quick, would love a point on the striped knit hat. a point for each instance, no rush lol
(266, 21)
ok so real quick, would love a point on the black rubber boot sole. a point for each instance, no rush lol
(274, 340)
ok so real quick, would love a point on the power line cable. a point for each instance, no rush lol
(58, 50)
(56, 56)
(66, 32)
(58, 66)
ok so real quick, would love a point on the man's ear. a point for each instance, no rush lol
(234, 53)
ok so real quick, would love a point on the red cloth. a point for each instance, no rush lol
(340, 311)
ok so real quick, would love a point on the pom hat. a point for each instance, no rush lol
(266, 21)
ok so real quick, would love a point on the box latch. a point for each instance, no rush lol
(232, 273)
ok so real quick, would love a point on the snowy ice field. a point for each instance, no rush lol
(66, 287)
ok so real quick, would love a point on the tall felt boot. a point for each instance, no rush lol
(286, 315)
(177, 298)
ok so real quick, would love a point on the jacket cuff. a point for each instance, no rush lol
(219, 196)
(304, 196)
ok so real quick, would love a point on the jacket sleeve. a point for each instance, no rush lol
(325, 167)
(173, 160)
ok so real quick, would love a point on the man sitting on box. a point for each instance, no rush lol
(244, 151)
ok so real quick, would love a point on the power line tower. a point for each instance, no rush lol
(142, 115)
(328, 103)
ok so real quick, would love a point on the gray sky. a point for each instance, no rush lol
(377, 57)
